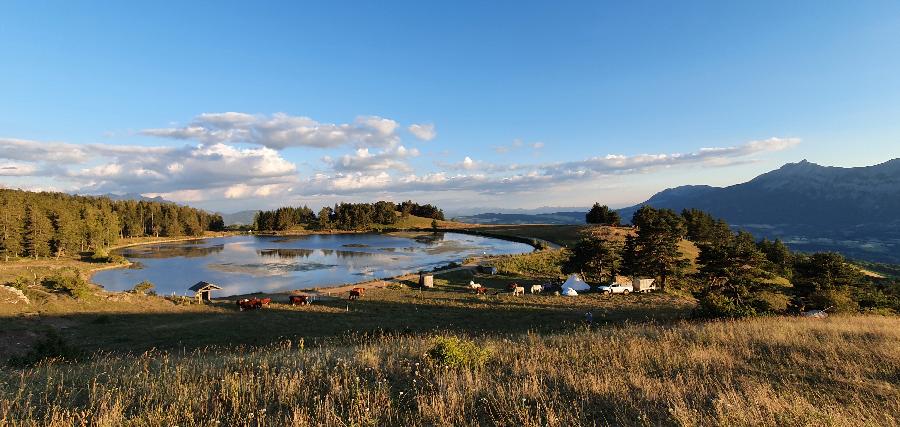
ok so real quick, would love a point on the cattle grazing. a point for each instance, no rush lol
(300, 299)
(536, 289)
(253, 303)
(519, 290)
(356, 293)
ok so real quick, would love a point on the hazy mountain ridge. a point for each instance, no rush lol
(563, 218)
(852, 210)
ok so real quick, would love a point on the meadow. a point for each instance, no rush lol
(764, 371)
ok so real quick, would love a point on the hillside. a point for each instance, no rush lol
(855, 211)
(557, 218)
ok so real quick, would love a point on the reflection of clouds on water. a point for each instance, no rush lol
(245, 264)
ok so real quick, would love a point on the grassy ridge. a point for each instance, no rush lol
(765, 371)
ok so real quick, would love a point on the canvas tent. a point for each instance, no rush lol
(574, 282)
(569, 292)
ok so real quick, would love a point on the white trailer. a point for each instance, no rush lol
(643, 285)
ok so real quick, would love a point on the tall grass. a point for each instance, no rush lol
(765, 371)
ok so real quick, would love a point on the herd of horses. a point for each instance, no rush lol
(514, 288)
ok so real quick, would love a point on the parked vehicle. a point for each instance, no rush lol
(616, 288)
(643, 285)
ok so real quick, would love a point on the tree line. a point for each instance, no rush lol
(343, 216)
(736, 275)
(49, 224)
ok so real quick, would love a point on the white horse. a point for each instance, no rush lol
(536, 289)
(519, 290)
(473, 285)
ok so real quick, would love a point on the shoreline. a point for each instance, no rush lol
(340, 288)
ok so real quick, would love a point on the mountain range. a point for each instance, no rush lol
(811, 207)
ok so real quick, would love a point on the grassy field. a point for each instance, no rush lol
(764, 371)
(147, 360)
(127, 322)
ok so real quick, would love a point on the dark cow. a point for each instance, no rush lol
(300, 299)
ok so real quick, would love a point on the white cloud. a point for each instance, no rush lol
(424, 132)
(34, 151)
(280, 131)
(537, 145)
(17, 169)
(393, 158)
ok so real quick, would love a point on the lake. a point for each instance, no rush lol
(245, 264)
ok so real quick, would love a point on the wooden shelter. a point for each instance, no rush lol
(202, 291)
(426, 280)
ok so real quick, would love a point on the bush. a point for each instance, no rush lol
(143, 288)
(715, 305)
(52, 348)
(72, 284)
(456, 352)
(21, 283)
(770, 302)
(834, 300)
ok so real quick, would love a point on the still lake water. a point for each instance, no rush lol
(244, 264)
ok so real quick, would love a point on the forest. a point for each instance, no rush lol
(49, 224)
(343, 216)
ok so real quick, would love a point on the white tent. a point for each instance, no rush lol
(575, 282)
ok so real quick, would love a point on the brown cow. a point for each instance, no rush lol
(300, 299)
(356, 293)
(252, 303)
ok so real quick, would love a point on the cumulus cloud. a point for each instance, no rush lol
(17, 169)
(32, 151)
(280, 131)
(392, 158)
(424, 132)
(164, 170)
(217, 170)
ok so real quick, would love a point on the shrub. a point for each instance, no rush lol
(715, 305)
(21, 283)
(52, 348)
(835, 300)
(143, 288)
(456, 352)
(770, 302)
(71, 284)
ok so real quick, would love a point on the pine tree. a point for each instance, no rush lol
(38, 232)
(653, 250)
(11, 232)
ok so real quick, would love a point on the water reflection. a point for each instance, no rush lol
(243, 264)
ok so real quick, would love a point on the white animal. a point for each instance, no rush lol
(519, 290)
(536, 289)
(473, 285)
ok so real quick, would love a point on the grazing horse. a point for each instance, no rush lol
(536, 289)
(473, 285)
(356, 293)
(481, 290)
(300, 299)
(519, 290)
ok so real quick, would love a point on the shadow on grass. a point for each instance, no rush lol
(223, 325)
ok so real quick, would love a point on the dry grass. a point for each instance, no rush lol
(766, 371)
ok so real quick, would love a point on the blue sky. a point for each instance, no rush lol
(553, 104)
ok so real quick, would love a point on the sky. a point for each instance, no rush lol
(237, 105)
